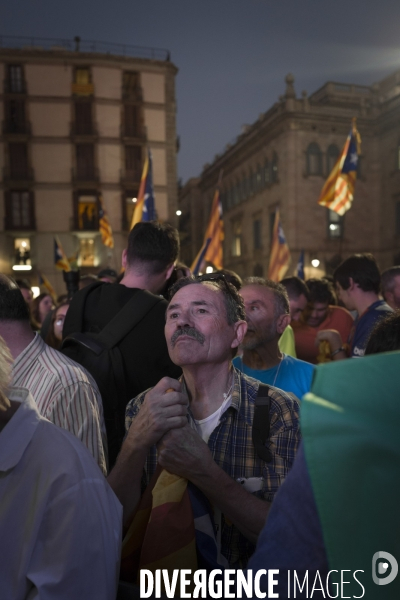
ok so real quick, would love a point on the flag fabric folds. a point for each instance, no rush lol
(145, 205)
(104, 226)
(171, 529)
(300, 266)
(280, 255)
(46, 283)
(338, 191)
(211, 250)
(60, 258)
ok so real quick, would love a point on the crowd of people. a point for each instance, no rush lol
(210, 379)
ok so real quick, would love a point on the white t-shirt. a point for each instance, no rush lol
(206, 426)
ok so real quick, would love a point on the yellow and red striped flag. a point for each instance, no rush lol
(211, 250)
(104, 226)
(280, 255)
(60, 258)
(145, 205)
(338, 191)
(46, 283)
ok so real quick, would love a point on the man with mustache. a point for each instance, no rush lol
(200, 427)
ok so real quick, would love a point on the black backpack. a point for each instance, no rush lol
(100, 355)
(261, 422)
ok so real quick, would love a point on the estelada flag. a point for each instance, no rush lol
(145, 205)
(104, 226)
(60, 258)
(280, 255)
(338, 191)
(211, 250)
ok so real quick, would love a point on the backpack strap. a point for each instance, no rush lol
(75, 317)
(262, 422)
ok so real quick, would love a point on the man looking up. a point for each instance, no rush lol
(319, 314)
(202, 424)
(299, 296)
(267, 314)
(391, 287)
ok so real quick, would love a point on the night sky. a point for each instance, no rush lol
(232, 55)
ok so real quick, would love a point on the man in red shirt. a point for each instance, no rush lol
(319, 314)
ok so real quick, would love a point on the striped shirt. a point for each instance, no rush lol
(233, 450)
(65, 393)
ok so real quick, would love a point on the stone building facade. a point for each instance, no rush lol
(282, 161)
(76, 125)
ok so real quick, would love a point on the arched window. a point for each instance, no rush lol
(332, 154)
(314, 159)
(274, 168)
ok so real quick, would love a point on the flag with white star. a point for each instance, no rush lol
(338, 191)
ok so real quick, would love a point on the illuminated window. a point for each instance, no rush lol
(22, 251)
(82, 76)
(86, 252)
(87, 213)
(335, 225)
(237, 238)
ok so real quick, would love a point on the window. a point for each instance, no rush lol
(86, 252)
(332, 155)
(85, 170)
(257, 234)
(133, 162)
(314, 160)
(132, 120)
(237, 238)
(335, 225)
(83, 118)
(266, 173)
(18, 155)
(19, 210)
(244, 188)
(251, 186)
(22, 248)
(15, 116)
(259, 184)
(87, 213)
(131, 85)
(82, 85)
(274, 169)
(15, 79)
(129, 200)
(82, 76)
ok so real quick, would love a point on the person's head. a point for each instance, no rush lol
(25, 290)
(12, 304)
(232, 277)
(390, 281)
(298, 294)
(267, 311)
(321, 295)
(205, 321)
(107, 275)
(152, 251)
(385, 336)
(54, 335)
(357, 274)
(41, 306)
(86, 280)
(5, 374)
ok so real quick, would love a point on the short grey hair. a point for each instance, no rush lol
(5, 374)
(387, 279)
(281, 298)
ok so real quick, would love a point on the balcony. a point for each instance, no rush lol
(18, 88)
(83, 129)
(85, 174)
(18, 174)
(130, 177)
(11, 127)
(133, 132)
(134, 94)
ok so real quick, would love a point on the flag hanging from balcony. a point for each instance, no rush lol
(211, 250)
(46, 283)
(280, 255)
(104, 226)
(338, 191)
(145, 205)
(60, 258)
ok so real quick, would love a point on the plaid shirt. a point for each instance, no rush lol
(233, 450)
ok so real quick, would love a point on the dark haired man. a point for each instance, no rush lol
(299, 296)
(202, 424)
(267, 314)
(148, 261)
(64, 392)
(320, 314)
(358, 281)
(391, 286)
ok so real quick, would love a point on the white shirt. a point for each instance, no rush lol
(60, 522)
(65, 393)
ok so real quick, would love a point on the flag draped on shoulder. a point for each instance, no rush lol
(145, 206)
(338, 191)
(280, 255)
(211, 250)
(46, 283)
(104, 226)
(60, 258)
